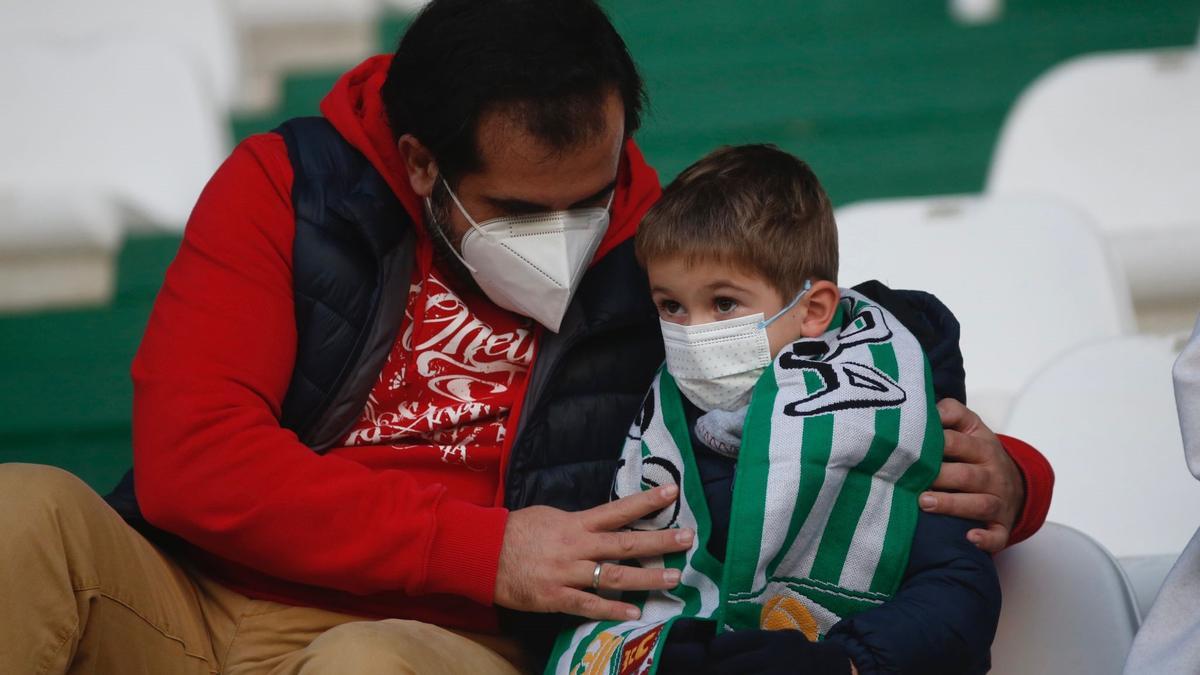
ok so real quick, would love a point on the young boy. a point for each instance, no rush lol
(799, 421)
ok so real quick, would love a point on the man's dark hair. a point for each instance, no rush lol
(551, 63)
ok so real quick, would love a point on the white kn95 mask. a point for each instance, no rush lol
(532, 264)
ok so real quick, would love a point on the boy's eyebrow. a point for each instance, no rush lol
(512, 204)
(722, 283)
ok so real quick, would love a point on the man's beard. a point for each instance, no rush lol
(444, 257)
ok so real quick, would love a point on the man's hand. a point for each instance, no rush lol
(549, 555)
(978, 480)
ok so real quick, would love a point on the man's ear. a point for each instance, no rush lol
(822, 301)
(422, 168)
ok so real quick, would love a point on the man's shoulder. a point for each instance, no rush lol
(244, 215)
(266, 149)
(258, 163)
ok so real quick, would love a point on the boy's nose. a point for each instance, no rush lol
(697, 319)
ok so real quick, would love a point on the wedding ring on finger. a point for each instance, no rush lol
(596, 576)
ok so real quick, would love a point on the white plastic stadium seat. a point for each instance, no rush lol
(126, 121)
(1028, 279)
(1105, 418)
(258, 12)
(199, 29)
(57, 247)
(280, 37)
(1068, 607)
(1117, 134)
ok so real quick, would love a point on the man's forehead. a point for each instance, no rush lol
(546, 187)
(516, 164)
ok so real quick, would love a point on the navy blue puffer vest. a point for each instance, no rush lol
(352, 259)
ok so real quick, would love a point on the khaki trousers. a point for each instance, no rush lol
(82, 592)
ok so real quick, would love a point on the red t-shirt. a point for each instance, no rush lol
(445, 392)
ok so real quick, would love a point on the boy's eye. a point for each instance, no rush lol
(725, 305)
(670, 307)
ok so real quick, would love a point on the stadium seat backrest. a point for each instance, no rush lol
(127, 120)
(1117, 134)
(1028, 278)
(1105, 417)
(299, 12)
(200, 29)
(1068, 607)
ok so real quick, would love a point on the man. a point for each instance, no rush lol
(388, 376)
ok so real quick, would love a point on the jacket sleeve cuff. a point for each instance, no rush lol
(465, 551)
(1039, 487)
(858, 653)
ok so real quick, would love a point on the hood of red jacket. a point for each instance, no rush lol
(355, 109)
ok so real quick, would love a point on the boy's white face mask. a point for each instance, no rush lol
(532, 264)
(717, 364)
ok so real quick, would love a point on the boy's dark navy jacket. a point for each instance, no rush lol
(943, 617)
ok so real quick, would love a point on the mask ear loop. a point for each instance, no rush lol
(442, 232)
(795, 301)
(462, 209)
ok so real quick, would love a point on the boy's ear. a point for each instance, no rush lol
(822, 301)
(420, 165)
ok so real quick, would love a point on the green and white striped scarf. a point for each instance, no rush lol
(841, 436)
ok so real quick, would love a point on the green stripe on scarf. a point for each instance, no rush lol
(673, 417)
(839, 533)
(898, 541)
(815, 444)
(749, 491)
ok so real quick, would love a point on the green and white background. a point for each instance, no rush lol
(883, 98)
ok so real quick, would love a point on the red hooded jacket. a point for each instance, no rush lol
(352, 530)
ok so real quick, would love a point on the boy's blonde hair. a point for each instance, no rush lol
(750, 205)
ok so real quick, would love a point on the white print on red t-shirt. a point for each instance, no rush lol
(455, 392)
